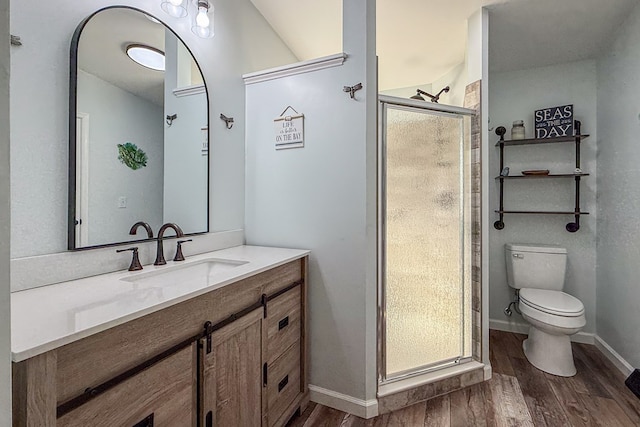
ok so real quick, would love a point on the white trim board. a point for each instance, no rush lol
(296, 68)
(342, 402)
(523, 328)
(189, 90)
(620, 363)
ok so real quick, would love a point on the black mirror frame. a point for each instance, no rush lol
(73, 90)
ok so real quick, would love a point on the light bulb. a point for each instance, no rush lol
(176, 2)
(202, 20)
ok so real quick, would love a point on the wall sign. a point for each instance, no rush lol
(289, 130)
(204, 133)
(554, 122)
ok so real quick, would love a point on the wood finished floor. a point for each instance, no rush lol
(517, 395)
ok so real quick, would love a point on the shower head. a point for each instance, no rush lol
(434, 98)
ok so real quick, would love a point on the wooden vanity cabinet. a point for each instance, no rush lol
(250, 371)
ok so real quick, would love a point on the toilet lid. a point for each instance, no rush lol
(552, 302)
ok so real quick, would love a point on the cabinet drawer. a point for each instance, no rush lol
(283, 323)
(284, 383)
(162, 395)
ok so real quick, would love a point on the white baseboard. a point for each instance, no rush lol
(624, 366)
(342, 402)
(523, 328)
(488, 371)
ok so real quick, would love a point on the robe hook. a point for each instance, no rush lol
(351, 90)
(227, 120)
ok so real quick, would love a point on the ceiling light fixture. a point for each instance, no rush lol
(175, 8)
(203, 23)
(152, 19)
(146, 56)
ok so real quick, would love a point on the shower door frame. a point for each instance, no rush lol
(407, 105)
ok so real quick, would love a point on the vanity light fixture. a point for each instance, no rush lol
(146, 56)
(175, 8)
(203, 23)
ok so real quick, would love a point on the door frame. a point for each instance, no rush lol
(82, 180)
(408, 104)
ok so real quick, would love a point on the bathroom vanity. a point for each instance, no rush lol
(217, 340)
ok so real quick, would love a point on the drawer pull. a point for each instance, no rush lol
(209, 420)
(282, 384)
(147, 422)
(283, 323)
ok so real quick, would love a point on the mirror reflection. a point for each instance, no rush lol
(139, 142)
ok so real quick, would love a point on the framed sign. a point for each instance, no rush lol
(554, 122)
(204, 133)
(289, 130)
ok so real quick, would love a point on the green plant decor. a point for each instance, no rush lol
(132, 156)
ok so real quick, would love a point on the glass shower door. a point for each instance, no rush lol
(426, 250)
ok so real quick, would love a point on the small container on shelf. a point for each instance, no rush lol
(517, 130)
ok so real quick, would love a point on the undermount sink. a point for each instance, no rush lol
(200, 272)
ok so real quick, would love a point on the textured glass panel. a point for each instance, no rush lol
(427, 288)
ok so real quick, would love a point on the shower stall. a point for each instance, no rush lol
(425, 237)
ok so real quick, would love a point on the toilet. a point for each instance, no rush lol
(538, 271)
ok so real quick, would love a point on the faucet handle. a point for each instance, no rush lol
(135, 261)
(179, 256)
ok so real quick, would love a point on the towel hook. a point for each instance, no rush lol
(227, 120)
(171, 118)
(351, 90)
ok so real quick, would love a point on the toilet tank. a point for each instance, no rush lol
(535, 266)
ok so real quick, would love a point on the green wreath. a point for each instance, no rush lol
(132, 156)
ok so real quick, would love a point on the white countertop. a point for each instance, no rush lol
(49, 317)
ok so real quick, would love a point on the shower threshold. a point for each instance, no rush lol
(414, 381)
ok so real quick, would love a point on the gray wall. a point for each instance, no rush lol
(40, 68)
(322, 197)
(618, 249)
(516, 95)
(5, 301)
(115, 117)
(185, 166)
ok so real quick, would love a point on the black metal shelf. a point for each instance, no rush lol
(535, 141)
(543, 212)
(571, 227)
(551, 175)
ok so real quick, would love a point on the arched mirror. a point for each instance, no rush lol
(138, 130)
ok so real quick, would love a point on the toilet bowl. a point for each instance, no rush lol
(553, 317)
(538, 272)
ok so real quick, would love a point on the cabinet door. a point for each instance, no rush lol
(232, 374)
(162, 395)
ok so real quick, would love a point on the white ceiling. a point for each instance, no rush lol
(102, 51)
(535, 33)
(419, 41)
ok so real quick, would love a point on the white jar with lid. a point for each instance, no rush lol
(518, 131)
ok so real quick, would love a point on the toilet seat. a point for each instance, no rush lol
(556, 309)
(556, 303)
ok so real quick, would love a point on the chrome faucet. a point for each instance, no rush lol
(160, 251)
(146, 226)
